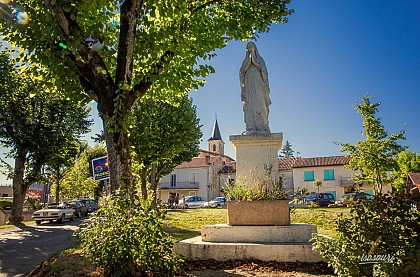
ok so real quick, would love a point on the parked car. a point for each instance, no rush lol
(58, 212)
(218, 202)
(79, 207)
(90, 205)
(354, 197)
(192, 202)
(322, 199)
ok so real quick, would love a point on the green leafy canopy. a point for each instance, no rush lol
(375, 156)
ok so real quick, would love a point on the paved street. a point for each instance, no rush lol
(21, 248)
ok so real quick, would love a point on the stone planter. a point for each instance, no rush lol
(263, 213)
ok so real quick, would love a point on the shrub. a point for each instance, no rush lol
(386, 227)
(126, 236)
(313, 205)
(6, 203)
(33, 201)
(262, 191)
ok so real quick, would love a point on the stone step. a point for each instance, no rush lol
(196, 249)
(260, 234)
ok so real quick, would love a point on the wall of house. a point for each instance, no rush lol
(6, 191)
(327, 185)
(214, 181)
(183, 176)
(287, 179)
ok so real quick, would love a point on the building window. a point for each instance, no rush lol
(5, 195)
(192, 177)
(329, 174)
(173, 180)
(308, 176)
(214, 147)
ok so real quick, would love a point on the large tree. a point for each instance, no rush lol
(286, 151)
(147, 46)
(78, 180)
(407, 162)
(375, 156)
(35, 125)
(163, 135)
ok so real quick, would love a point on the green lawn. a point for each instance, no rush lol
(182, 224)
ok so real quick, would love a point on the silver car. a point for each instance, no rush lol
(218, 202)
(192, 201)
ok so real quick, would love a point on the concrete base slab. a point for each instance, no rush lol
(196, 249)
(259, 234)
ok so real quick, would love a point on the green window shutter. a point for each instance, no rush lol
(329, 174)
(308, 176)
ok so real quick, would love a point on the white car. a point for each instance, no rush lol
(192, 202)
(218, 202)
(53, 212)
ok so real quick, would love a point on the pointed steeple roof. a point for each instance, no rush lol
(216, 132)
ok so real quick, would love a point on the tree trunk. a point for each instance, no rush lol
(119, 159)
(19, 187)
(143, 183)
(153, 181)
(57, 192)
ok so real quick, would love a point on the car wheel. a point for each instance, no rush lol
(61, 219)
(79, 214)
(186, 206)
(218, 206)
(38, 222)
(72, 217)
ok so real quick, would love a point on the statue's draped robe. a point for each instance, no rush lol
(255, 96)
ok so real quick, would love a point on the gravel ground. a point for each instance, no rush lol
(256, 268)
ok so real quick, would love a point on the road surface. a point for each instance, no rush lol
(22, 248)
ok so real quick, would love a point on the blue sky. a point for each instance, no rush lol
(330, 54)
(319, 64)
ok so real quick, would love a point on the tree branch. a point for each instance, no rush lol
(141, 88)
(202, 6)
(94, 81)
(130, 13)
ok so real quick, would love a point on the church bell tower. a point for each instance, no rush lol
(216, 143)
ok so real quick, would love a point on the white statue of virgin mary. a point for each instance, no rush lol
(254, 91)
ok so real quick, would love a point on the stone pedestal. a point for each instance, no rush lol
(258, 213)
(267, 243)
(298, 233)
(256, 157)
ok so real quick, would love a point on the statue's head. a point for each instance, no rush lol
(251, 47)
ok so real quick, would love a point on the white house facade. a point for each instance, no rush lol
(331, 171)
(201, 176)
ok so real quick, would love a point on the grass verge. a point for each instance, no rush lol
(183, 224)
(11, 226)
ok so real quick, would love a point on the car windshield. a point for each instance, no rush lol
(55, 206)
(218, 199)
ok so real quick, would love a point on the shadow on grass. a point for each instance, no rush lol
(180, 233)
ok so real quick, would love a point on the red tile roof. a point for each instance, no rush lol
(202, 153)
(321, 161)
(229, 167)
(198, 162)
(287, 163)
(415, 178)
